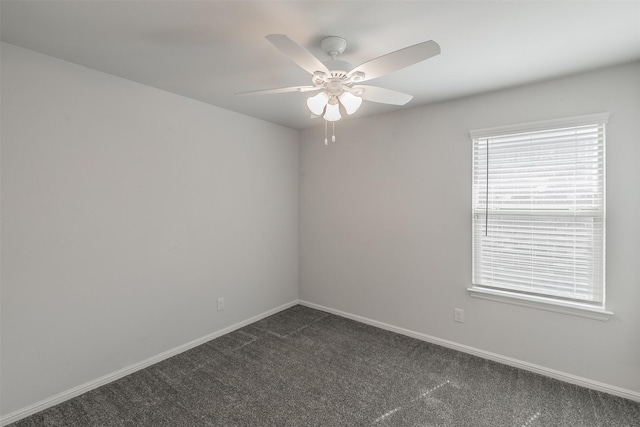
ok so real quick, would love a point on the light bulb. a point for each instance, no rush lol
(332, 113)
(350, 102)
(317, 103)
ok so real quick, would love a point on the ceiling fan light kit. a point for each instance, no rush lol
(317, 103)
(350, 102)
(332, 111)
(338, 83)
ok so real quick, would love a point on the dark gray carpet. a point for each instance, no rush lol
(304, 367)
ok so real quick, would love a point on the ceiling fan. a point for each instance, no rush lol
(337, 83)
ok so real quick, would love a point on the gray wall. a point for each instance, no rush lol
(126, 212)
(385, 226)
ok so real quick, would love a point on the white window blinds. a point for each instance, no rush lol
(538, 209)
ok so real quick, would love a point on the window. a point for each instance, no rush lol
(539, 213)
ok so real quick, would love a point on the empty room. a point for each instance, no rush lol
(330, 213)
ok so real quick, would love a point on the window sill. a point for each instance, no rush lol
(542, 303)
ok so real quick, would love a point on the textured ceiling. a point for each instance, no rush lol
(209, 50)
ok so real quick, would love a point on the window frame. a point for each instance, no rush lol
(545, 302)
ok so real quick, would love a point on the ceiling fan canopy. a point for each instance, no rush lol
(338, 83)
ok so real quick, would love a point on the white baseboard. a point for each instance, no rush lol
(88, 386)
(562, 376)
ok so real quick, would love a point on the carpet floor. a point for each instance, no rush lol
(304, 367)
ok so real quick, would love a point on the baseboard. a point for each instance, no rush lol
(88, 386)
(562, 376)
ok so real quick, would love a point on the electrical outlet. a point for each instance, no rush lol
(458, 315)
(220, 304)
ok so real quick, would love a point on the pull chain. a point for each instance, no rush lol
(325, 133)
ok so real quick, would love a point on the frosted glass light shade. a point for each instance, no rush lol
(333, 113)
(350, 102)
(317, 103)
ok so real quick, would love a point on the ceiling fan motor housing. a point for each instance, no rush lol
(338, 67)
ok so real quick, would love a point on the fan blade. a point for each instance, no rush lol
(397, 60)
(384, 96)
(297, 53)
(281, 90)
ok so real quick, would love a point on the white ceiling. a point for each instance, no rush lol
(209, 50)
